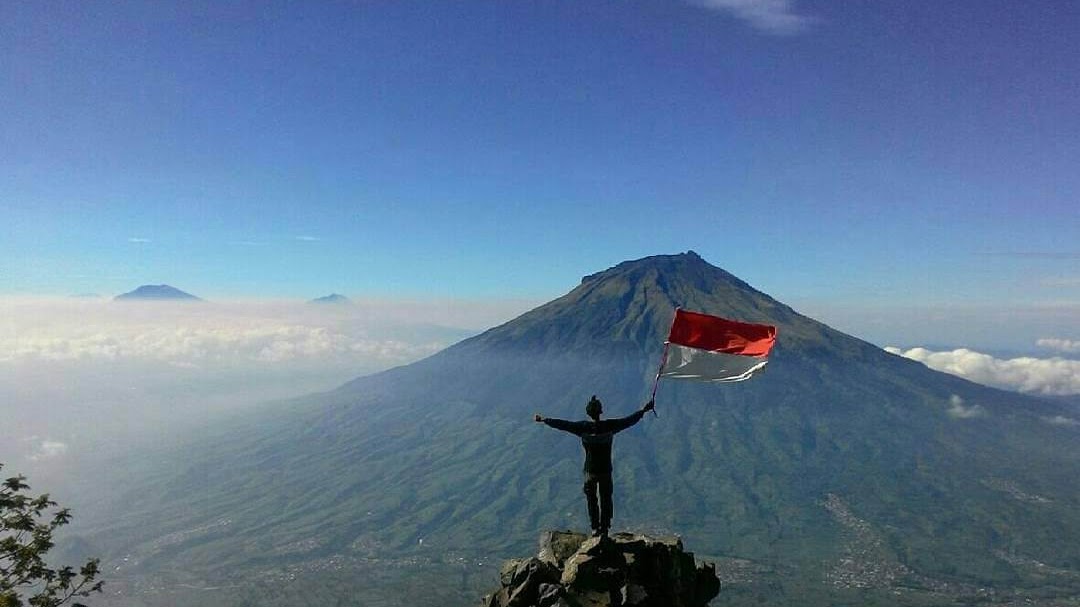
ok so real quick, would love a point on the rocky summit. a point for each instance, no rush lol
(626, 569)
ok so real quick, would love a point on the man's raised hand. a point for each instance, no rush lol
(538, 418)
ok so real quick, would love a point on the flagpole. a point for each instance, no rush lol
(656, 382)
(663, 359)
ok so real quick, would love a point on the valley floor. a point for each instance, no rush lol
(458, 579)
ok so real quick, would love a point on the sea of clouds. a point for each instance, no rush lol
(1054, 375)
(369, 334)
(94, 376)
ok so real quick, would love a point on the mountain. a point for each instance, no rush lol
(332, 298)
(155, 293)
(843, 475)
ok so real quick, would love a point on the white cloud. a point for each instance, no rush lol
(364, 335)
(1024, 374)
(1062, 283)
(1061, 420)
(224, 335)
(48, 449)
(102, 376)
(958, 410)
(1070, 346)
(308, 238)
(138, 240)
(772, 16)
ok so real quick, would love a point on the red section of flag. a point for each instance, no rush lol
(717, 334)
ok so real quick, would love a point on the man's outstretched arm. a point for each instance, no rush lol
(560, 424)
(622, 423)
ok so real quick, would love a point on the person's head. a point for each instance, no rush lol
(594, 408)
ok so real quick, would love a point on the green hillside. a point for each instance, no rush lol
(843, 475)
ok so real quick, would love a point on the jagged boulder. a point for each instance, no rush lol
(625, 570)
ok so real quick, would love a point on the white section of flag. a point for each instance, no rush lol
(683, 362)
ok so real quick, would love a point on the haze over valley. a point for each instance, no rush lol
(82, 379)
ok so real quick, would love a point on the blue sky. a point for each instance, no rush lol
(837, 155)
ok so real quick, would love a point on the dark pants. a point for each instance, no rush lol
(599, 514)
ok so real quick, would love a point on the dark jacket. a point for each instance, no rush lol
(596, 438)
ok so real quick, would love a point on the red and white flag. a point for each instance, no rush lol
(710, 348)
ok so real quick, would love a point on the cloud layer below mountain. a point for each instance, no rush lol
(80, 375)
(1048, 376)
(368, 335)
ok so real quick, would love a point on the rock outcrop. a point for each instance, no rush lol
(624, 570)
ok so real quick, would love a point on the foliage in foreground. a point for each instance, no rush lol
(26, 531)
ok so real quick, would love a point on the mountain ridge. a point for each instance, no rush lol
(333, 298)
(156, 292)
(838, 442)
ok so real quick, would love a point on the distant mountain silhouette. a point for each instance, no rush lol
(843, 475)
(333, 298)
(156, 292)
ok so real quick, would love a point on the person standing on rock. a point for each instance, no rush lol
(596, 437)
